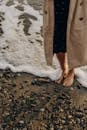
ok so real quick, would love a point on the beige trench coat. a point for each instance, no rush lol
(76, 32)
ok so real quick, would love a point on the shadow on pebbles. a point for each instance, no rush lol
(28, 102)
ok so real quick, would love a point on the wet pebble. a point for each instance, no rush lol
(42, 109)
(0, 88)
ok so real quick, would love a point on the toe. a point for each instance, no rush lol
(68, 82)
(59, 80)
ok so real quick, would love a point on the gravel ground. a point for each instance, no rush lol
(28, 102)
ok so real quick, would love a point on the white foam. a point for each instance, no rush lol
(20, 54)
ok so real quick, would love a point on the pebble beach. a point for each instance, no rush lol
(29, 102)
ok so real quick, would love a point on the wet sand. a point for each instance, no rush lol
(37, 4)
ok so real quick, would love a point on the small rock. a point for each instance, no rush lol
(0, 88)
(42, 109)
(21, 122)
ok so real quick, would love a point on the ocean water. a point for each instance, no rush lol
(22, 45)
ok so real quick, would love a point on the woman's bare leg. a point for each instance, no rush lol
(67, 75)
(62, 57)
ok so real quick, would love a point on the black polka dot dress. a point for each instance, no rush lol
(61, 9)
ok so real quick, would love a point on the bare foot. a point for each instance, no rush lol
(69, 79)
(63, 75)
(62, 57)
(60, 79)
